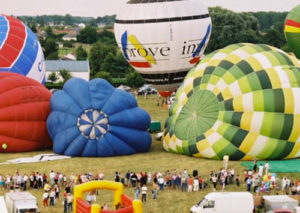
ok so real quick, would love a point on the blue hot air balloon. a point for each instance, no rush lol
(94, 119)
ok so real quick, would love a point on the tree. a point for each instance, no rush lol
(65, 74)
(81, 53)
(104, 75)
(109, 63)
(49, 32)
(52, 77)
(32, 26)
(87, 35)
(50, 49)
(229, 28)
(134, 79)
(97, 54)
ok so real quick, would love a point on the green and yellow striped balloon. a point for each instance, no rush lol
(242, 100)
(292, 30)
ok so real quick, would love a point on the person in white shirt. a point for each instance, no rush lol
(267, 167)
(144, 193)
(260, 170)
(283, 184)
(51, 176)
(196, 184)
(161, 183)
(52, 197)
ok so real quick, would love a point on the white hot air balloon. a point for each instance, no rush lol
(163, 39)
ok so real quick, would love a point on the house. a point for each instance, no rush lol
(81, 25)
(69, 37)
(69, 56)
(77, 69)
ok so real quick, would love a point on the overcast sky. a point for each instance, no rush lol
(108, 7)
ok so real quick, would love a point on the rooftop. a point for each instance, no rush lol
(72, 66)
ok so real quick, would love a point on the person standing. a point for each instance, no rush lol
(254, 165)
(154, 190)
(25, 179)
(65, 202)
(144, 193)
(161, 183)
(214, 180)
(225, 161)
(136, 192)
(52, 197)
(196, 184)
(249, 183)
(260, 170)
(237, 180)
(70, 202)
(190, 184)
(267, 167)
(45, 199)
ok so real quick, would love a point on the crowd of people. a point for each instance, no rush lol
(257, 180)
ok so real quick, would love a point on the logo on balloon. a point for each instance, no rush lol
(143, 56)
(200, 46)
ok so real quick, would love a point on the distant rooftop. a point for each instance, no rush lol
(148, 1)
(72, 66)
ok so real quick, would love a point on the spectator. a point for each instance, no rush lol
(136, 192)
(260, 170)
(225, 161)
(154, 190)
(52, 197)
(144, 193)
(190, 184)
(267, 167)
(70, 202)
(249, 183)
(214, 182)
(196, 184)
(45, 199)
(65, 202)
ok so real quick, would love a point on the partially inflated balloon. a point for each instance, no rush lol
(243, 101)
(162, 40)
(292, 30)
(20, 50)
(95, 119)
(24, 108)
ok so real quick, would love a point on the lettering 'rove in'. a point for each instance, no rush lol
(160, 51)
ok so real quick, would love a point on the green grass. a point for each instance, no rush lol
(153, 161)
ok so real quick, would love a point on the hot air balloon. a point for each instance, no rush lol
(242, 101)
(24, 108)
(292, 30)
(20, 50)
(94, 119)
(162, 40)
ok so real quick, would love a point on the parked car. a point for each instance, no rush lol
(225, 202)
(146, 89)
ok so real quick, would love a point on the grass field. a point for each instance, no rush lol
(155, 160)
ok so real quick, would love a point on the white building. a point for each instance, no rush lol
(77, 69)
(69, 37)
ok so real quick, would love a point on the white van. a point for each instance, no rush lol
(225, 202)
(17, 202)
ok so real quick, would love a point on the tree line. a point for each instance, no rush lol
(107, 61)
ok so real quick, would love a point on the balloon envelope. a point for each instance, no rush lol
(95, 119)
(242, 101)
(24, 108)
(162, 40)
(292, 30)
(20, 50)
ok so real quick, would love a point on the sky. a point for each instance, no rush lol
(97, 8)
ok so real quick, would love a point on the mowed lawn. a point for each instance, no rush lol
(155, 160)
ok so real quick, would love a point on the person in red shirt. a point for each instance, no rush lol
(190, 184)
(200, 182)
